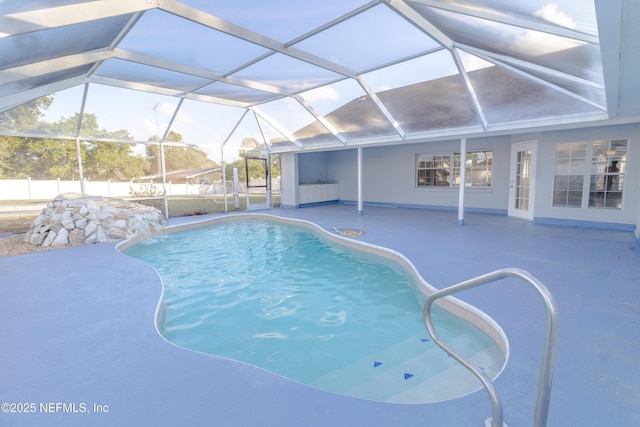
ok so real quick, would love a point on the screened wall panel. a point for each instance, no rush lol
(354, 45)
(558, 52)
(186, 42)
(287, 73)
(47, 79)
(246, 136)
(590, 93)
(205, 124)
(518, 98)
(274, 139)
(577, 15)
(234, 93)
(112, 112)
(291, 119)
(424, 68)
(56, 114)
(58, 42)
(424, 106)
(348, 109)
(28, 5)
(321, 74)
(144, 74)
(282, 20)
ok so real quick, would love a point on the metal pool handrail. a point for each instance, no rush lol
(549, 344)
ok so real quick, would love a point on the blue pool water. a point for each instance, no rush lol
(284, 298)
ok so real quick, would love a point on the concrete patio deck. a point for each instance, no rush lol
(79, 340)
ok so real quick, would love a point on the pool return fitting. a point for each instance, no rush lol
(549, 343)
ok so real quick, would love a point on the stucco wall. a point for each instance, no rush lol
(545, 211)
(313, 167)
(389, 176)
(638, 221)
(289, 183)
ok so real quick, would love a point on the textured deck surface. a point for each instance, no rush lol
(77, 330)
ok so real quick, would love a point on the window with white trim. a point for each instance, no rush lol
(569, 174)
(434, 170)
(590, 174)
(478, 168)
(608, 163)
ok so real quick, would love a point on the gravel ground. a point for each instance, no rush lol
(13, 245)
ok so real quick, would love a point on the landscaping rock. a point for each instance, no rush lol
(77, 219)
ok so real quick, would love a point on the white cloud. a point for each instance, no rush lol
(536, 43)
(551, 13)
(324, 93)
(539, 43)
(167, 109)
(148, 127)
(184, 120)
(472, 63)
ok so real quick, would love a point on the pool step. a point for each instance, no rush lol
(414, 370)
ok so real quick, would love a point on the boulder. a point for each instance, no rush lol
(76, 219)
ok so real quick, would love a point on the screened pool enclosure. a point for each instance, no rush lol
(234, 79)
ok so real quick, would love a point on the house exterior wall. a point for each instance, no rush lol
(389, 177)
(638, 221)
(289, 183)
(313, 167)
(627, 217)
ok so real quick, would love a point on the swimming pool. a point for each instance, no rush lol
(312, 307)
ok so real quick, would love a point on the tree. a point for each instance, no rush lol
(48, 158)
(25, 117)
(239, 164)
(177, 157)
(247, 147)
(275, 165)
(51, 158)
(256, 169)
(9, 146)
(15, 158)
(109, 160)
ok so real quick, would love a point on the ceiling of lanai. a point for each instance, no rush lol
(296, 75)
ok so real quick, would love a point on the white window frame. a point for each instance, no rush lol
(595, 193)
(436, 167)
(569, 170)
(447, 161)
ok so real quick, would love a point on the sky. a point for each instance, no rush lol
(358, 44)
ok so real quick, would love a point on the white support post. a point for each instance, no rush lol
(164, 180)
(360, 202)
(268, 173)
(80, 175)
(162, 139)
(83, 189)
(463, 167)
(224, 180)
(236, 189)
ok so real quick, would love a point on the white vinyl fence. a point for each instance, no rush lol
(28, 189)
